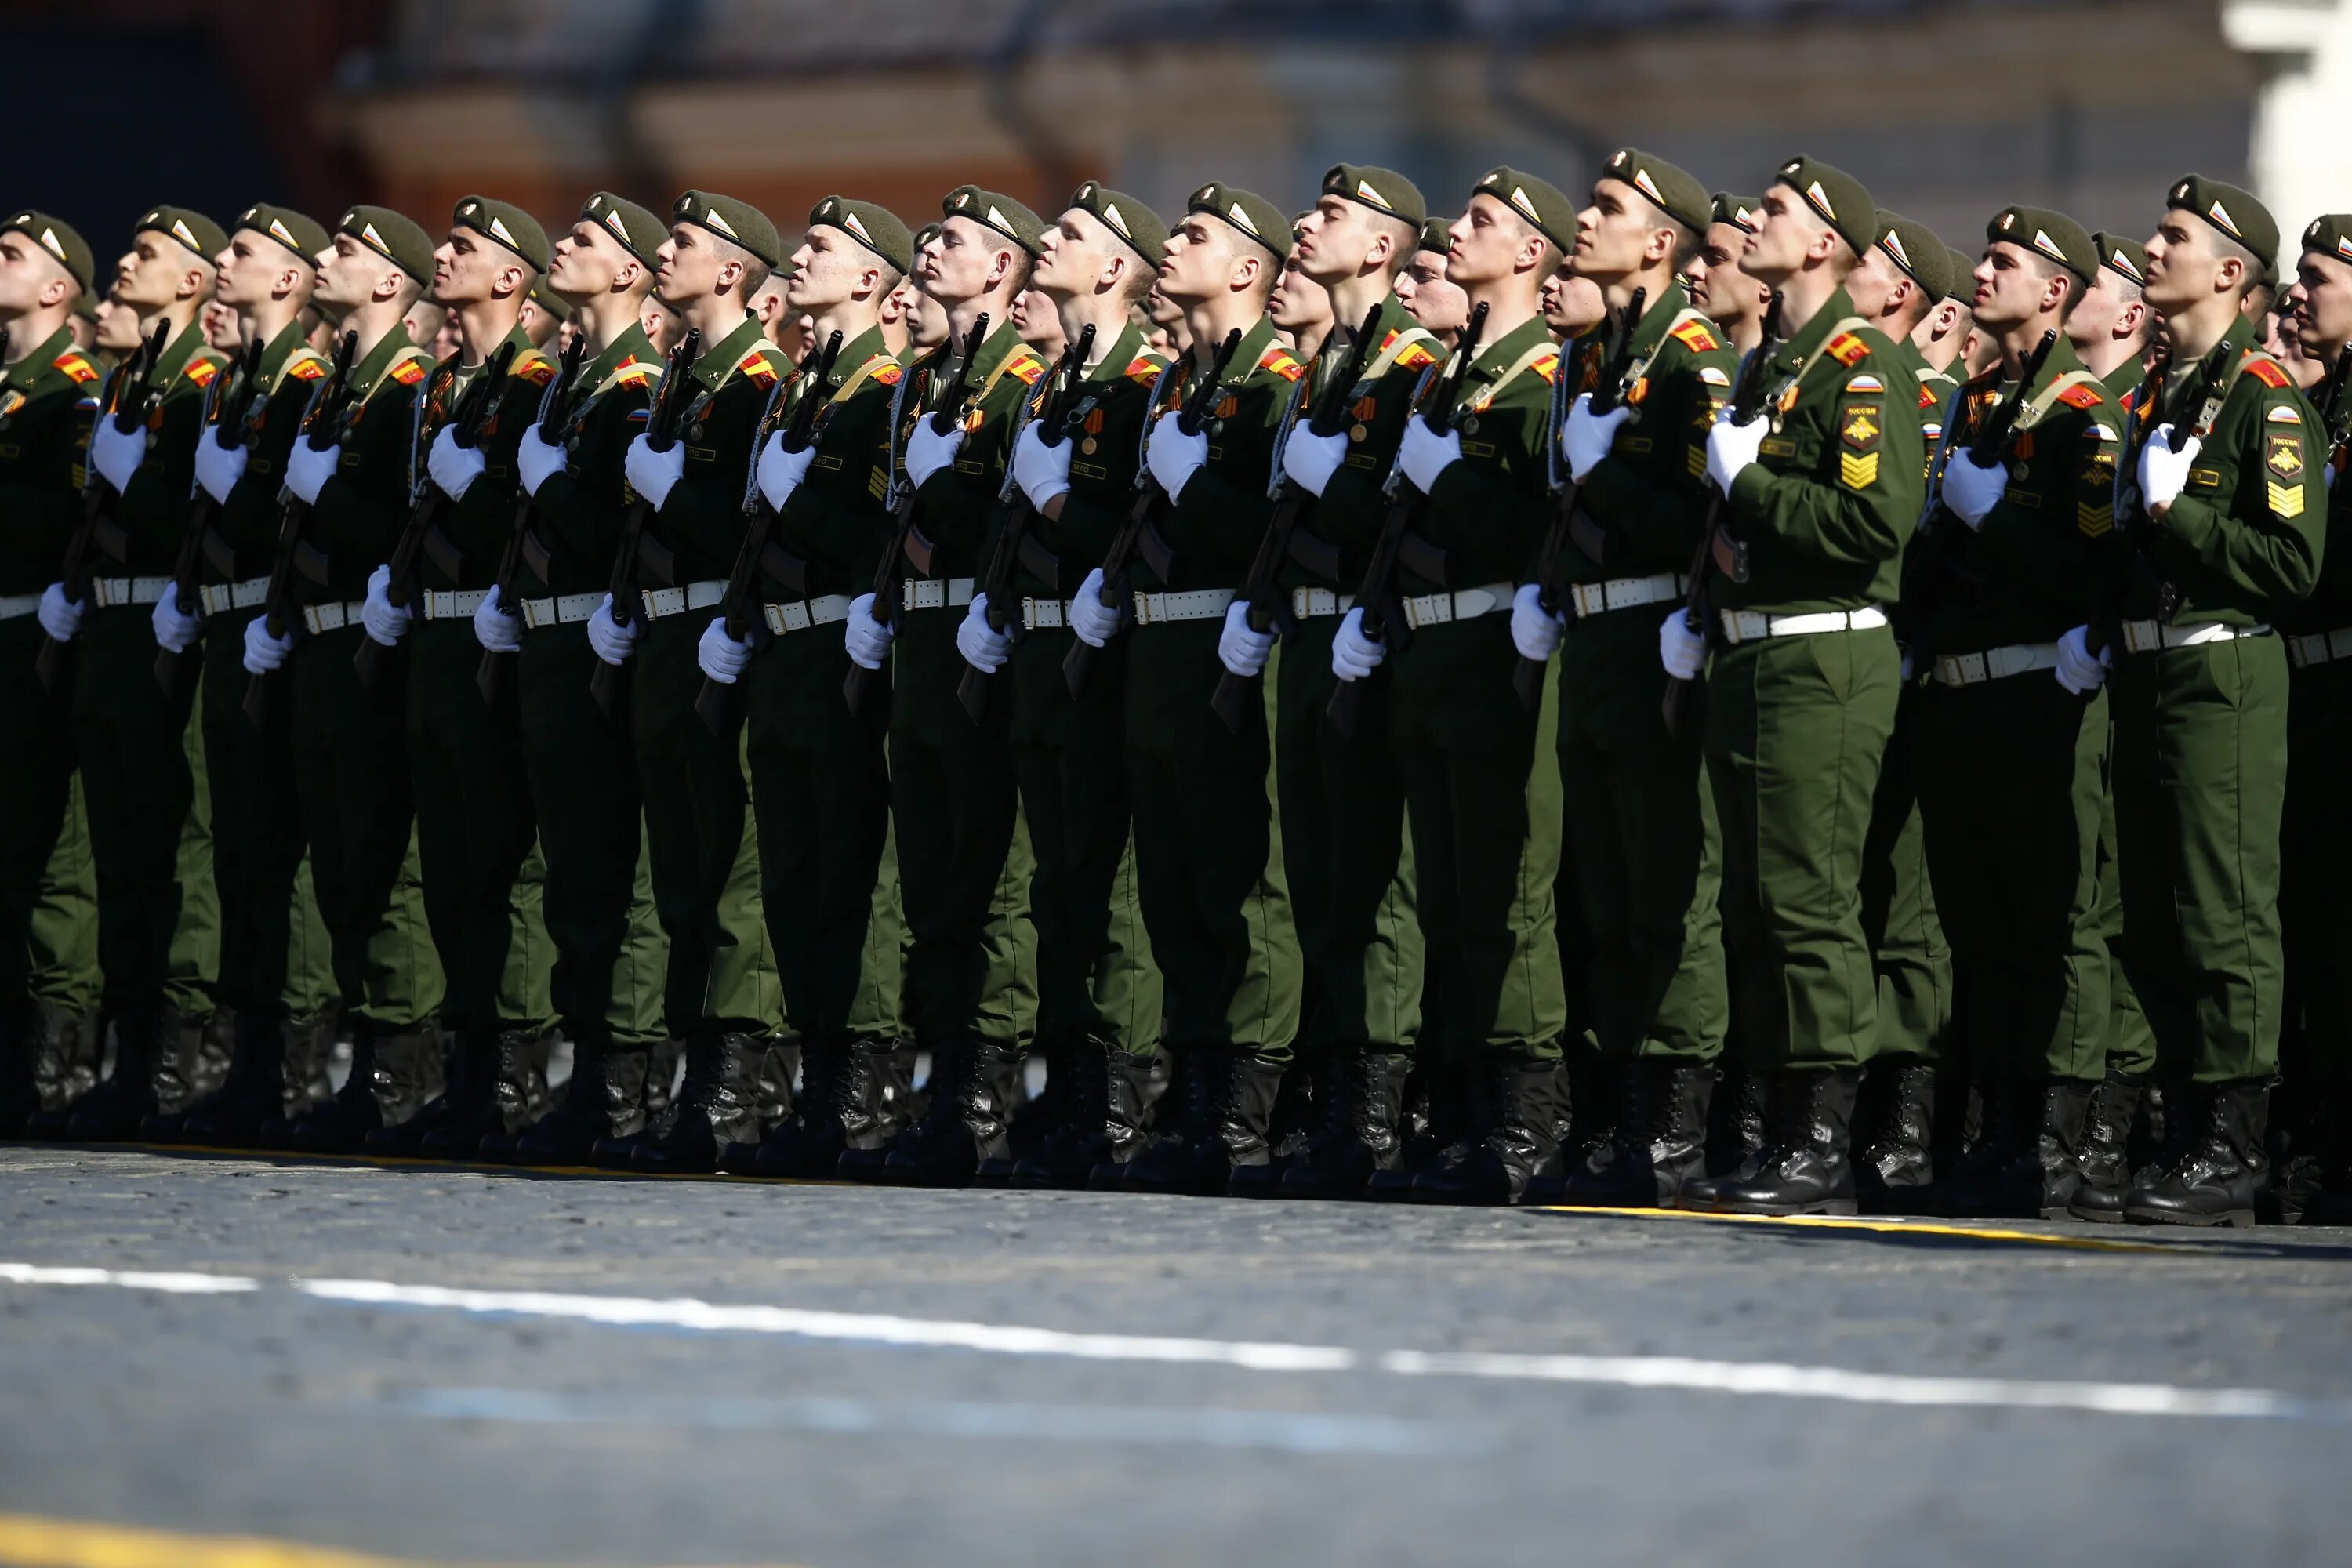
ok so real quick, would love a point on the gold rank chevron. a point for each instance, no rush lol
(2286, 501)
(1859, 470)
(2093, 521)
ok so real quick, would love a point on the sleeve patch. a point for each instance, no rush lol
(2094, 521)
(1862, 428)
(2081, 396)
(2283, 413)
(1693, 336)
(1848, 350)
(1864, 383)
(1858, 470)
(1713, 377)
(74, 366)
(2266, 370)
(2283, 457)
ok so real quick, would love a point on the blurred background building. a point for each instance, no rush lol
(1947, 109)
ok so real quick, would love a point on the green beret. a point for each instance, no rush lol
(1535, 200)
(878, 229)
(729, 219)
(2234, 211)
(1838, 198)
(1739, 212)
(1245, 212)
(640, 233)
(58, 237)
(2127, 258)
(506, 223)
(1437, 235)
(290, 229)
(1671, 191)
(549, 300)
(1124, 216)
(1002, 213)
(1963, 283)
(85, 305)
(924, 236)
(190, 227)
(2331, 235)
(1914, 248)
(2051, 235)
(1384, 191)
(395, 238)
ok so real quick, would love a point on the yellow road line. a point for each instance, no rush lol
(1884, 1226)
(27, 1541)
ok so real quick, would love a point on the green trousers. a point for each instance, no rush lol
(1483, 796)
(1899, 913)
(2199, 781)
(1643, 849)
(878, 1011)
(1208, 847)
(2013, 784)
(1095, 977)
(1795, 730)
(59, 960)
(1345, 854)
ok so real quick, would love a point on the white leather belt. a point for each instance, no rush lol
(562, 611)
(219, 598)
(1315, 603)
(800, 614)
(1045, 615)
(1437, 609)
(1750, 626)
(1195, 605)
(934, 594)
(2147, 637)
(1995, 663)
(2320, 647)
(110, 593)
(454, 604)
(660, 602)
(332, 618)
(1624, 592)
(15, 607)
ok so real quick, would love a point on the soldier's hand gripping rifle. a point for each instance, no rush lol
(489, 676)
(1237, 694)
(1405, 501)
(661, 434)
(1151, 502)
(1053, 417)
(135, 396)
(891, 569)
(226, 406)
(1715, 541)
(318, 428)
(1527, 676)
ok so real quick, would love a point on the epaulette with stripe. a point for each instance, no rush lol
(1546, 366)
(890, 374)
(1144, 371)
(1928, 398)
(759, 368)
(1693, 336)
(633, 370)
(304, 365)
(1847, 349)
(200, 370)
(2081, 395)
(408, 371)
(72, 362)
(2266, 370)
(534, 367)
(1278, 360)
(1416, 356)
(1024, 362)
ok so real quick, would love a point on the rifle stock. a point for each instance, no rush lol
(661, 434)
(278, 604)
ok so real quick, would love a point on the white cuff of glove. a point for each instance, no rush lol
(867, 639)
(175, 629)
(928, 452)
(983, 648)
(1535, 632)
(264, 653)
(218, 467)
(653, 474)
(1426, 453)
(1093, 622)
(454, 468)
(535, 459)
(1240, 647)
(1310, 459)
(1589, 436)
(1681, 651)
(496, 628)
(780, 472)
(308, 468)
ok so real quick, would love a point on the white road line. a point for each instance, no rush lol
(1765, 1379)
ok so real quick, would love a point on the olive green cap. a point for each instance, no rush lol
(638, 230)
(189, 227)
(2127, 258)
(878, 229)
(57, 236)
(2234, 211)
(1124, 216)
(1837, 198)
(1437, 235)
(925, 235)
(739, 222)
(2051, 235)
(549, 300)
(1537, 201)
(85, 305)
(999, 213)
(1914, 248)
(1246, 213)
(1963, 283)
(506, 223)
(396, 238)
(1384, 191)
(301, 234)
(1668, 188)
(1735, 210)
(2331, 235)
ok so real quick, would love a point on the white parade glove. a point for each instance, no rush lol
(218, 467)
(722, 656)
(116, 453)
(928, 452)
(2164, 467)
(1731, 447)
(1173, 457)
(613, 642)
(307, 470)
(1043, 472)
(780, 472)
(386, 622)
(1589, 436)
(1353, 655)
(496, 628)
(867, 640)
(1535, 631)
(1312, 459)
(2078, 672)
(60, 616)
(535, 459)
(1426, 453)
(175, 629)
(1971, 491)
(652, 474)
(1682, 650)
(983, 649)
(1095, 621)
(1240, 648)
(264, 653)
(454, 468)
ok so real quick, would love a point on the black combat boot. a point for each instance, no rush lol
(148, 1046)
(1435, 1110)
(467, 1058)
(2058, 1151)
(840, 1107)
(1661, 1139)
(1735, 1134)
(1510, 1134)
(717, 1105)
(1896, 1172)
(253, 1092)
(67, 1051)
(310, 1042)
(1110, 1119)
(1360, 1126)
(510, 1094)
(1289, 1125)
(1227, 1112)
(1987, 1180)
(965, 1123)
(2103, 1168)
(604, 1099)
(1041, 1116)
(2213, 1181)
(394, 1075)
(1160, 1105)
(190, 1067)
(1803, 1167)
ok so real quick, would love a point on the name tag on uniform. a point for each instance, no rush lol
(702, 454)
(1478, 448)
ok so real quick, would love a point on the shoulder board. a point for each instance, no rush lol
(200, 370)
(1025, 364)
(1278, 360)
(1144, 371)
(1416, 356)
(408, 371)
(2265, 369)
(305, 366)
(890, 374)
(759, 368)
(1928, 398)
(1693, 336)
(1547, 366)
(535, 368)
(1847, 349)
(633, 371)
(1863, 384)
(2081, 395)
(72, 362)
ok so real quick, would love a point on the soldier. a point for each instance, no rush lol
(2109, 330)
(1034, 319)
(1300, 309)
(1820, 498)
(1719, 288)
(1946, 330)
(1429, 297)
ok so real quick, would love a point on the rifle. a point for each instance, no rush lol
(1439, 392)
(1052, 415)
(741, 604)
(1746, 406)
(317, 425)
(128, 407)
(474, 410)
(1262, 586)
(2131, 520)
(1528, 678)
(661, 434)
(489, 676)
(1150, 500)
(906, 539)
(225, 411)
